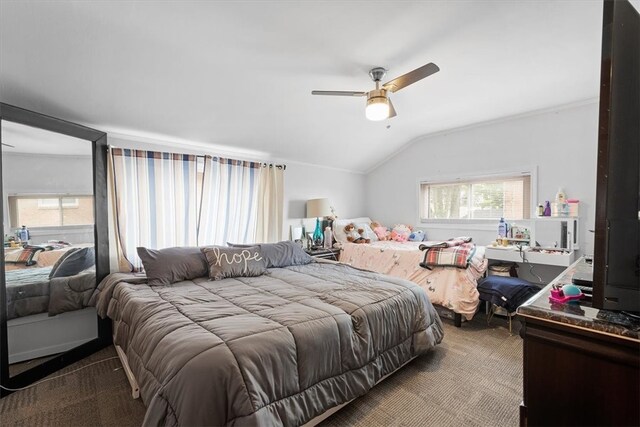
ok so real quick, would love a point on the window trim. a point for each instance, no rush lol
(532, 171)
(12, 208)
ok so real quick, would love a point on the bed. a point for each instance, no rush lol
(65, 286)
(451, 288)
(280, 348)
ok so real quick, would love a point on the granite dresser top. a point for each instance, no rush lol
(579, 314)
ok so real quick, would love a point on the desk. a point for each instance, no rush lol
(581, 365)
(513, 254)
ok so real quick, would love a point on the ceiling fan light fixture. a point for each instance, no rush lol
(377, 105)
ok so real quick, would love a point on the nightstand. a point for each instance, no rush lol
(332, 254)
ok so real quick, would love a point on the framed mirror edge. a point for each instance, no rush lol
(98, 139)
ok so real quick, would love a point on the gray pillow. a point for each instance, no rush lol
(234, 262)
(75, 262)
(171, 265)
(59, 261)
(281, 254)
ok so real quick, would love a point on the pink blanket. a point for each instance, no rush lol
(450, 287)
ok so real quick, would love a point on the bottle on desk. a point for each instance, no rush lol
(328, 238)
(23, 234)
(502, 228)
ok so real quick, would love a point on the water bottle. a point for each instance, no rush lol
(502, 228)
(328, 238)
(24, 234)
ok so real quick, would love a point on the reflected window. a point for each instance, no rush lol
(50, 211)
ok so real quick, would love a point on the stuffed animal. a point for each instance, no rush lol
(417, 236)
(381, 231)
(355, 235)
(400, 232)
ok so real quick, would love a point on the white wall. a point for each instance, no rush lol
(50, 174)
(561, 143)
(345, 190)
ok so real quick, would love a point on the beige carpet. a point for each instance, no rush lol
(474, 378)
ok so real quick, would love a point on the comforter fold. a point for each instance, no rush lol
(278, 349)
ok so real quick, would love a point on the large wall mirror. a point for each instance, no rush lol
(55, 248)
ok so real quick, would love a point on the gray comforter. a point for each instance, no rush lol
(30, 291)
(278, 349)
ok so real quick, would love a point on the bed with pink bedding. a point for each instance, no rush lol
(450, 287)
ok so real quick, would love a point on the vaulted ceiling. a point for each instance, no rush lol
(239, 74)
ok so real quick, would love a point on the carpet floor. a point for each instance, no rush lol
(474, 378)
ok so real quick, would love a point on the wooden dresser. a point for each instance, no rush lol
(581, 364)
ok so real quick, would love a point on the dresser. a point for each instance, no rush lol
(581, 365)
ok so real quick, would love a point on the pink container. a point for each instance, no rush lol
(574, 205)
(558, 296)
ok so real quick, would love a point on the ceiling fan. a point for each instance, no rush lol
(379, 106)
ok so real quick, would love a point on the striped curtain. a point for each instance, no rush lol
(229, 201)
(155, 200)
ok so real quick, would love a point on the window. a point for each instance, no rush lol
(50, 210)
(489, 198)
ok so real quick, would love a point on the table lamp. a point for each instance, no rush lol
(318, 208)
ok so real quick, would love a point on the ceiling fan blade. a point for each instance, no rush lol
(411, 77)
(392, 111)
(8, 145)
(337, 93)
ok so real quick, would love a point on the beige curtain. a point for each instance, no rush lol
(270, 204)
(114, 235)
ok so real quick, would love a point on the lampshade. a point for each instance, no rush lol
(318, 208)
(377, 108)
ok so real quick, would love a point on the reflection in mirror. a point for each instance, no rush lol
(49, 251)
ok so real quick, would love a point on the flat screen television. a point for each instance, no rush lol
(616, 260)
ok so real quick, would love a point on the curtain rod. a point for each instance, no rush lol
(283, 167)
(264, 165)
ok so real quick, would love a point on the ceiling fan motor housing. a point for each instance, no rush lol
(377, 95)
(377, 74)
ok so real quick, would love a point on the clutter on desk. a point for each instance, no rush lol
(560, 207)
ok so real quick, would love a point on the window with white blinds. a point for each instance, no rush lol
(491, 198)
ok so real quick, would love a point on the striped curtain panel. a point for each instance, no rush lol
(229, 201)
(155, 200)
(270, 204)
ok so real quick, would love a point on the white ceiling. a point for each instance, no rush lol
(239, 74)
(23, 139)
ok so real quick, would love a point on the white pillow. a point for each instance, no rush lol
(368, 231)
(339, 224)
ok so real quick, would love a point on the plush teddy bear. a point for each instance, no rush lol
(381, 231)
(355, 235)
(400, 232)
(417, 236)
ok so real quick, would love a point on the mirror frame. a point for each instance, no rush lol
(98, 140)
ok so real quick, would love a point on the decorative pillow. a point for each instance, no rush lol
(75, 262)
(25, 256)
(171, 265)
(234, 262)
(368, 231)
(59, 261)
(281, 254)
(339, 224)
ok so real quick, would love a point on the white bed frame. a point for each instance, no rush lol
(135, 389)
(40, 335)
